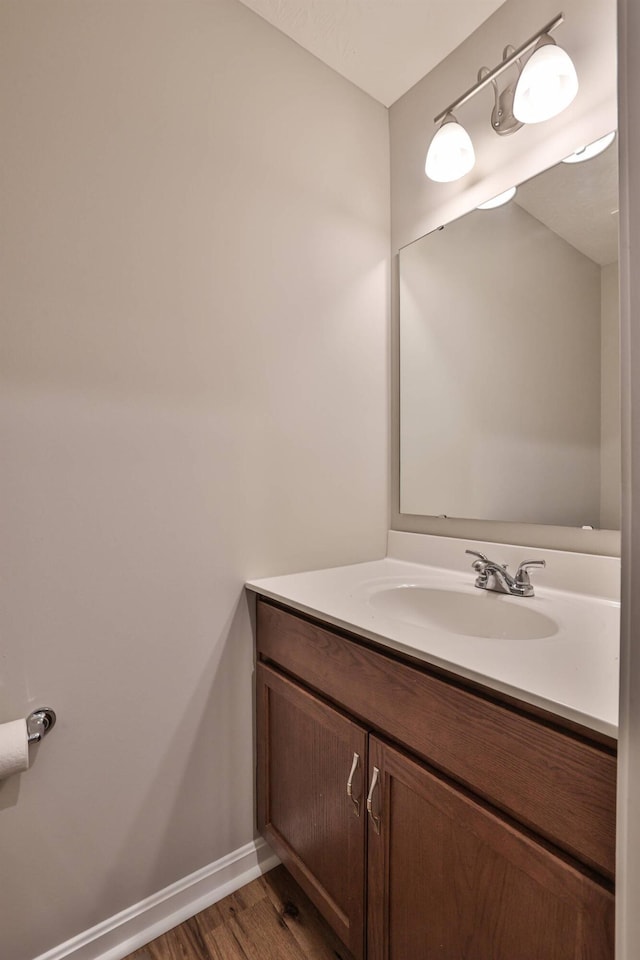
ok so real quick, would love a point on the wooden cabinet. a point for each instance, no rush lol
(450, 879)
(308, 754)
(491, 832)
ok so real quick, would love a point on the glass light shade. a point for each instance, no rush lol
(591, 150)
(450, 153)
(547, 85)
(498, 200)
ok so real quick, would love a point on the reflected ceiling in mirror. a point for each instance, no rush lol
(509, 344)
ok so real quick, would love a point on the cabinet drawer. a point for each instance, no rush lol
(561, 787)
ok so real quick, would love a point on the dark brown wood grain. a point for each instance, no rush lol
(559, 785)
(305, 755)
(268, 919)
(448, 878)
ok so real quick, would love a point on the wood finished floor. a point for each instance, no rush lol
(269, 919)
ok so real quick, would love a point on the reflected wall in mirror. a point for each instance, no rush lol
(509, 367)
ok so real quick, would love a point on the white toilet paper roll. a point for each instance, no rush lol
(14, 748)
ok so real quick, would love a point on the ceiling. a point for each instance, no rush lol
(383, 46)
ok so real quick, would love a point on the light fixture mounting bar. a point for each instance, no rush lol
(481, 84)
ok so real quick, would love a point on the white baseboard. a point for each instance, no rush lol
(117, 937)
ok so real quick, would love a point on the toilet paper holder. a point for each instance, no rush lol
(39, 723)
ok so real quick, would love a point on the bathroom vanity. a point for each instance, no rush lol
(426, 810)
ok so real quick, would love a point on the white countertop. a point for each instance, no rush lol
(573, 672)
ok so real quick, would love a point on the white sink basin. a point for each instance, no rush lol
(481, 614)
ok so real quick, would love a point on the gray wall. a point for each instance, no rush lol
(194, 289)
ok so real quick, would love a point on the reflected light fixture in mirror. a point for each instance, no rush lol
(591, 150)
(498, 201)
(543, 87)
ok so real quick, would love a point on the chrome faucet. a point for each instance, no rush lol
(495, 576)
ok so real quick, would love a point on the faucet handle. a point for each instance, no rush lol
(522, 575)
(480, 556)
(480, 565)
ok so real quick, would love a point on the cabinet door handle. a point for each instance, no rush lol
(354, 801)
(375, 820)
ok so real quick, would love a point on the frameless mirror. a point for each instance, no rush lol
(509, 369)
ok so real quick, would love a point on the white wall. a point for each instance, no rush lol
(500, 373)
(418, 205)
(194, 291)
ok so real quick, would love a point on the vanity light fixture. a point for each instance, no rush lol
(450, 153)
(499, 200)
(592, 149)
(543, 87)
(547, 84)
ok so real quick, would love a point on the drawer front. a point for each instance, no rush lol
(561, 787)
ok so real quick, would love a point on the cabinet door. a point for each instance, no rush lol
(451, 880)
(312, 764)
